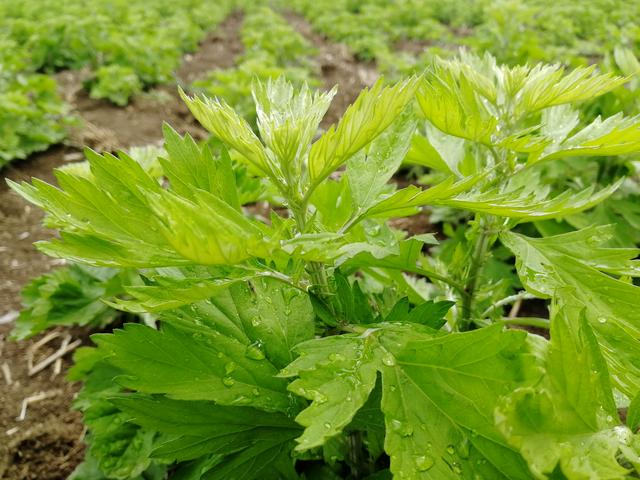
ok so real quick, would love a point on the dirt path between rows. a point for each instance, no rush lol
(47, 444)
(338, 66)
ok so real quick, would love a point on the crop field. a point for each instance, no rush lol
(319, 240)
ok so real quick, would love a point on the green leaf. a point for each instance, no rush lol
(372, 112)
(528, 202)
(633, 414)
(288, 119)
(69, 295)
(570, 418)
(267, 316)
(547, 266)
(196, 364)
(449, 100)
(434, 427)
(549, 85)
(117, 449)
(406, 202)
(250, 441)
(369, 171)
(207, 230)
(337, 374)
(616, 135)
(221, 120)
(438, 400)
(192, 167)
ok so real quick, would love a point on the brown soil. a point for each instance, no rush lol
(219, 50)
(338, 67)
(47, 444)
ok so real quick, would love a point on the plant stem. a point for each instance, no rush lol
(471, 283)
(316, 270)
(523, 295)
(527, 321)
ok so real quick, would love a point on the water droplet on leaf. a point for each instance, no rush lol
(388, 359)
(424, 463)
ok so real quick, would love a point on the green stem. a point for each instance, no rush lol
(316, 270)
(471, 283)
(523, 295)
(430, 274)
(527, 321)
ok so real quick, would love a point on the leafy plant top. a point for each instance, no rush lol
(321, 342)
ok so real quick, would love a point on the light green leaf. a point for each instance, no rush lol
(372, 112)
(221, 120)
(450, 101)
(570, 418)
(616, 135)
(207, 230)
(528, 202)
(549, 85)
(369, 170)
(337, 374)
(547, 266)
(288, 119)
(406, 202)
(190, 167)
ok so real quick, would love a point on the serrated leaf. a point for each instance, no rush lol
(70, 295)
(117, 449)
(221, 120)
(190, 166)
(547, 265)
(449, 100)
(549, 85)
(528, 202)
(372, 112)
(197, 364)
(268, 317)
(336, 374)
(435, 426)
(406, 202)
(570, 419)
(249, 441)
(288, 119)
(369, 171)
(616, 135)
(207, 230)
(426, 380)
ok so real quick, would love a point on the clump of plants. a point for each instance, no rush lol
(324, 344)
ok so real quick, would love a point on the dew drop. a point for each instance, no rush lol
(229, 367)
(424, 463)
(228, 381)
(463, 449)
(256, 392)
(254, 352)
(388, 359)
(336, 357)
(327, 425)
(602, 320)
(450, 449)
